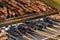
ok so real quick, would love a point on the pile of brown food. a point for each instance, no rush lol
(16, 8)
(55, 17)
(3, 35)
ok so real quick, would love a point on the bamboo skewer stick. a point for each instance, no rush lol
(12, 36)
(25, 36)
(58, 27)
(56, 23)
(54, 30)
(50, 31)
(32, 36)
(45, 34)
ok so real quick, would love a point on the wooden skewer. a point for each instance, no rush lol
(45, 34)
(54, 33)
(25, 36)
(49, 31)
(54, 30)
(56, 23)
(58, 27)
(31, 36)
(12, 36)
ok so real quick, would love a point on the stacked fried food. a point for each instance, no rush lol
(15, 8)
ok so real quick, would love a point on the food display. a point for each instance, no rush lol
(16, 8)
(28, 20)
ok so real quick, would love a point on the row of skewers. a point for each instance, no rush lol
(16, 8)
(44, 27)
